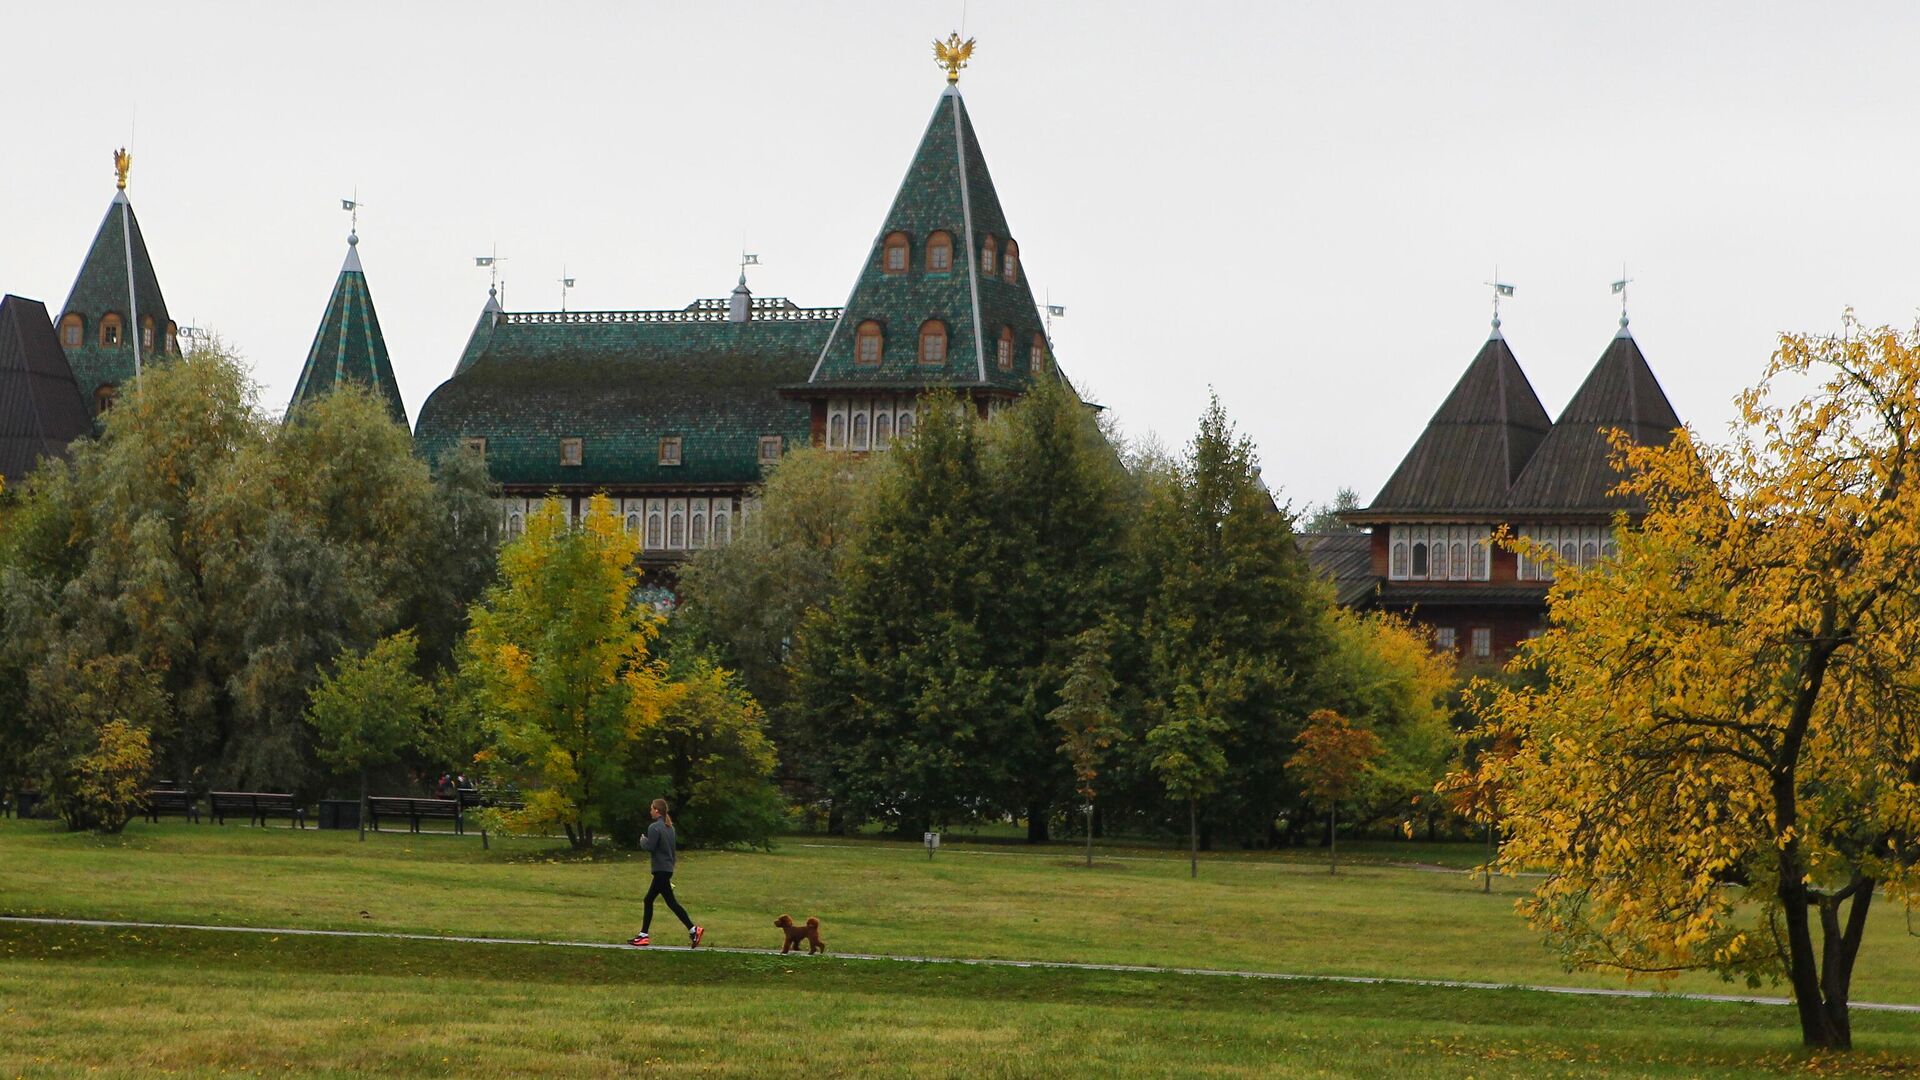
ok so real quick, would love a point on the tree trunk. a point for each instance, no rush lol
(1193, 840)
(1487, 886)
(1089, 836)
(1822, 983)
(363, 804)
(1333, 837)
(1037, 821)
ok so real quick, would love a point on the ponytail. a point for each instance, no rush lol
(661, 805)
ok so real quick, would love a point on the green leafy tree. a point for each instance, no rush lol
(1085, 719)
(369, 708)
(559, 650)
(707, 752)
(1334, 758)
(1233, 611)
(1186, 754)
(82, 770)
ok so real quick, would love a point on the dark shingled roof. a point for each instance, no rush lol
(1476, 444)
(41, 410)
(622, 381)
(101, 287)
(1571, 470)
(1343, 558)
(947, 187)
(349, 345)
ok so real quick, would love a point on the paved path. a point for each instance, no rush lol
(1065, 965)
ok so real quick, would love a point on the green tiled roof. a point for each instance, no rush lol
(621, 382)
(102, 288)
(349, 344)
(947, 187)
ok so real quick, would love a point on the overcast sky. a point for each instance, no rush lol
(1295, 204)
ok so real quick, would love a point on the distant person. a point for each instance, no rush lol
(659, 841)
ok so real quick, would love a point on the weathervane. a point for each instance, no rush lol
(352, 206)
(566, 283)
(1620, 290)
(122, 163)
(1500, 289)
(953, 55)
(492, 263)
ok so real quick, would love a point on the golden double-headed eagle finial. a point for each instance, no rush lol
(953, 55)
(122, 161)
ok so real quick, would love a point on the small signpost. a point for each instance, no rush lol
(932, 840)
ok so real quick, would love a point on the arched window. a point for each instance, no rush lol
(989, 256)
(653, 530)
(1419, 560)
(677, 530)
(867, 343)
(516, 524)
(859, 431)
(1608, 551)
(103, 397)
(940, 253)
(722, 527)
(1457, 561)
(146, 333)
(933, 342)
(1569, 554)
(699, 533)
(73, 330)
(633, 523)
(1010, 265)
(1477, 568)
(1438, 569)
(836, 432)
(1037, 354)
(110, 329)
(894, 258)
(1005, 353)
(1589, 553)
(882, 430)
(1398, 567)
(905, 426)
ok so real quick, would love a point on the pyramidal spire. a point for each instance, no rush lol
(1573, 468)
(943, 297)
(115, 304)
(349, 346)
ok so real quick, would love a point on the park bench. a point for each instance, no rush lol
(172, 801)
(493, 798)
(416, 810)
(259, 806)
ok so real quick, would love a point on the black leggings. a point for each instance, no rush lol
(663, 886)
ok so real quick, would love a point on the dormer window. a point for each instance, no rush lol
(572, 451)
(73, 330)
(894, 253)
(1037, 354)
(109, 330)
(1004, 355)
(1010, 266)
(868, 341)
(989, 256)
(173, 338)
(146, 333)
(103, 398)
(769, 449)
(940, 253)
(474, 444)
(933, 342)
(670, 450)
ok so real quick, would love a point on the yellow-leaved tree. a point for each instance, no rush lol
(1723, 761)
(559, 652)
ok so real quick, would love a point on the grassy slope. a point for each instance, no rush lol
(1000, 902)
(192, 1003)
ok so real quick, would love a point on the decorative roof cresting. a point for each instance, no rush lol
(953, 55)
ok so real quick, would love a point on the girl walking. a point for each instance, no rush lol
(659, 841)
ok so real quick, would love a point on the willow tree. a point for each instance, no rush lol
(1725, 752)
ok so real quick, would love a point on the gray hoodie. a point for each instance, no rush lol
(659, 840)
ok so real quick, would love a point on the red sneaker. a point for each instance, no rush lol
(696, 934)
(640, 941)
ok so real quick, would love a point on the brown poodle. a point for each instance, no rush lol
(809, 933)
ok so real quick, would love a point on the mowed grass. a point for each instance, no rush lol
(1245, 912)
(84, 1001)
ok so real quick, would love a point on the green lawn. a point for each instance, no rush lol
(216, 999)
